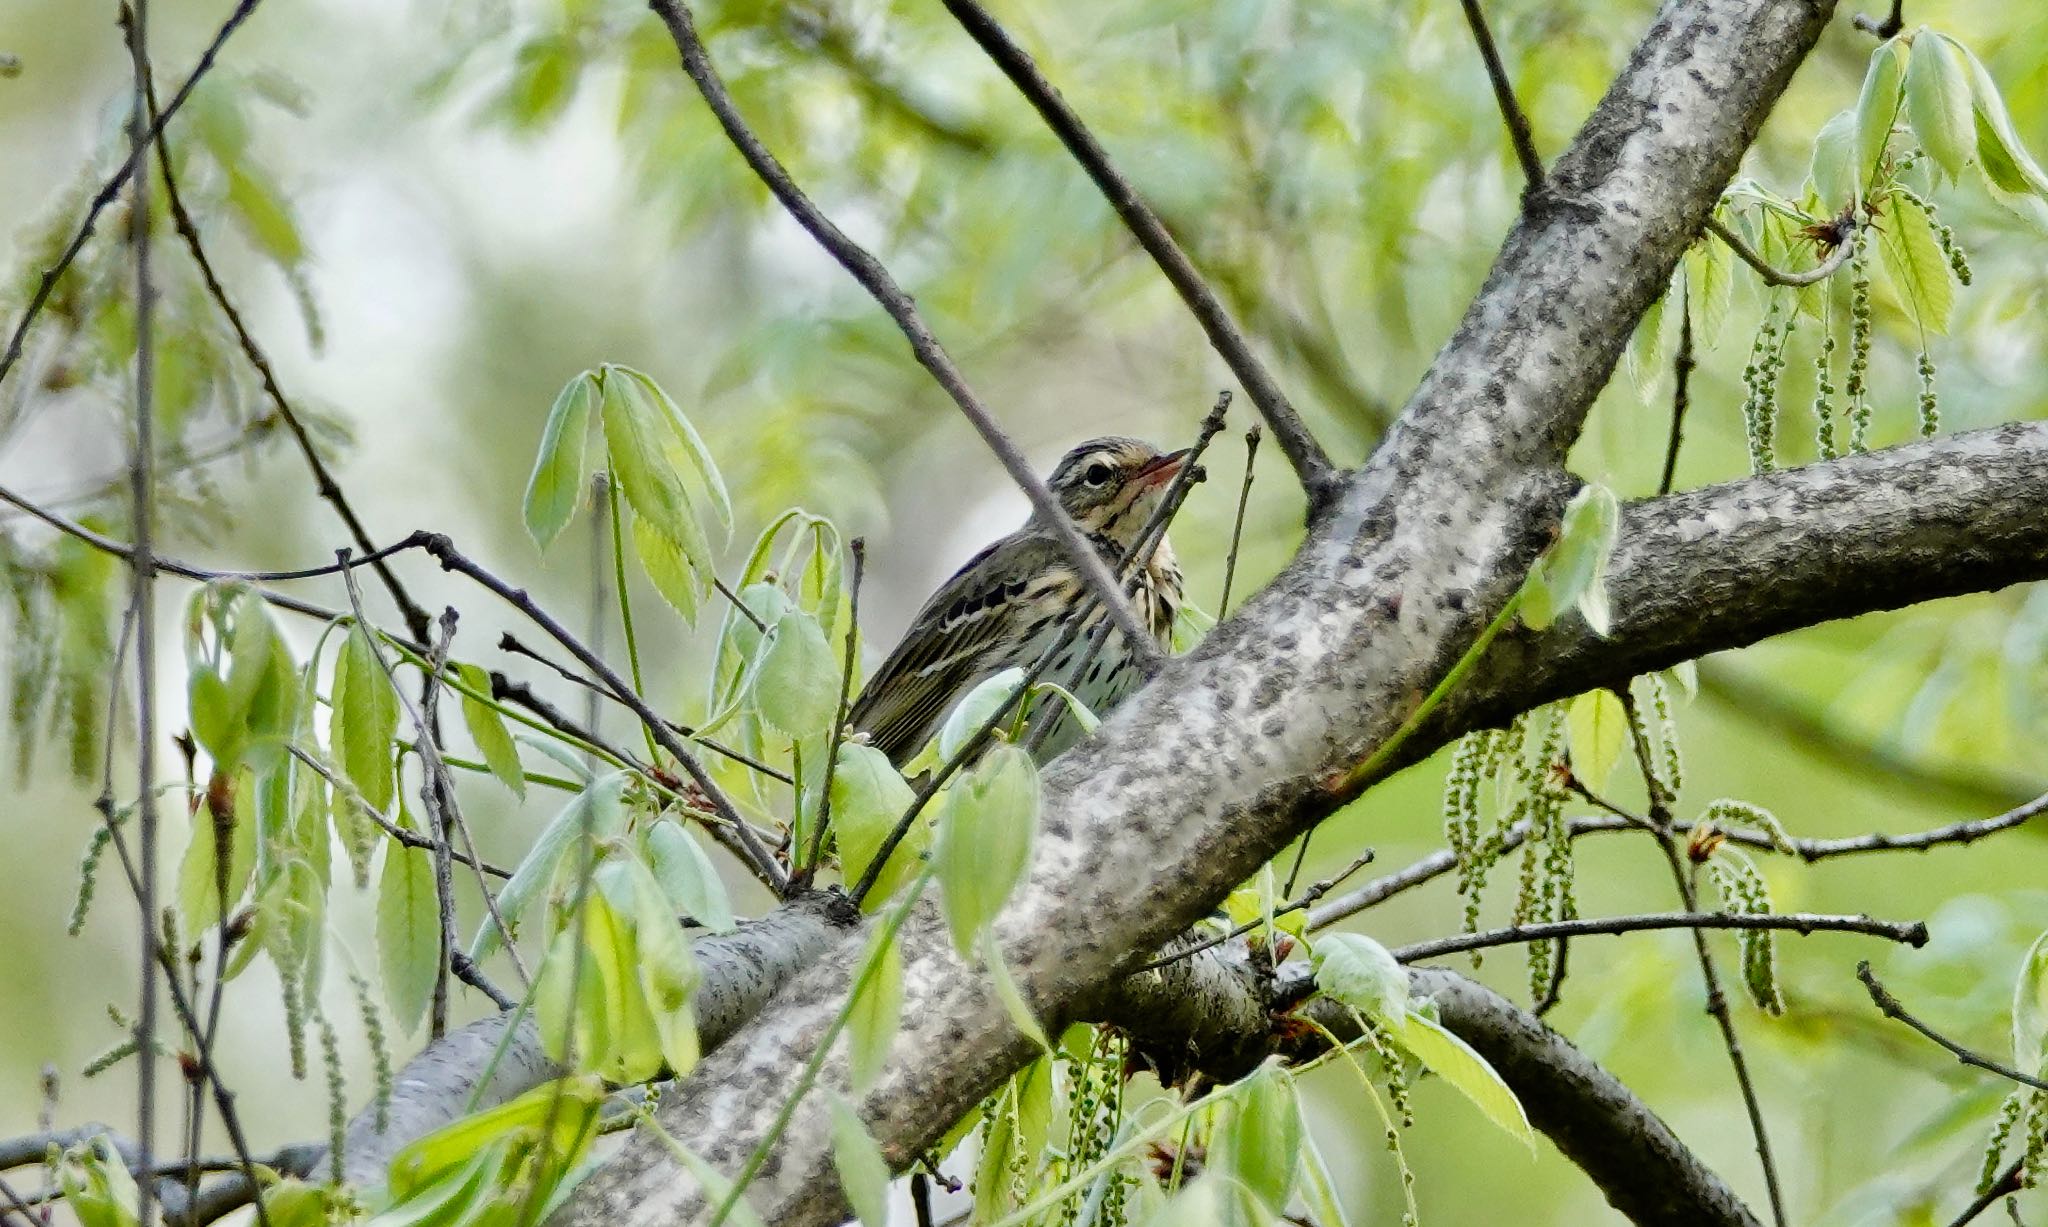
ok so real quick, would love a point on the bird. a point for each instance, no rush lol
(1012, 601)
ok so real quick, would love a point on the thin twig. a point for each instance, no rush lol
(1890, 1007)
(1244, 498)
(878, 282)
(2008, 1182)
(1319, 477)
(1887, 28)
(1681, 395)
(1911, 933)
(142, 599)
(1504, 93)
(1307, 900)
(1717, 1001)
(1772, 274)
(411, 839)
(801, 880)
(757, 856)
(114, 183)
(416, 620)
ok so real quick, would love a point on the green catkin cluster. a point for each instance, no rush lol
(337, 1095)
(109, 1059)
(380, 1047)
(1856, 386)
(1824, 390)
(2035, 1158)
(1744, 893)
(1930, 406)
(88, 877)
(1760, 377)
(1945, 234)
(1545, 885)
(1728, 812)
(1094, 1113)
(1394, 1067)
(2001, 1136)
(294, 1019)
(1654, 722)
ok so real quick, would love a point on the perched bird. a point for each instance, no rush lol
(1014, 599)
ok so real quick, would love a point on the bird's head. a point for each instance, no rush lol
(1111, 486)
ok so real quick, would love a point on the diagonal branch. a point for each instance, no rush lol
(1511, 112)
(1319, 478)
(877, 281)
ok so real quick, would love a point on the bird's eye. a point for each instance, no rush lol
(1097, 475)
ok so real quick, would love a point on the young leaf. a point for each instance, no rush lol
(2030, 1010)
(798, 686)
(1573, 571)
(1453, 1059)
(1262, 1139)
(636, 439)
(556, 486)
(667, 969)
(2004, 157)
(1356, 970)
(366, 711)
(1598, 728)
(598, 808)
(198, 885)
(668, 570)
(985, 841)
(688, 877)
(408, 932)
(1317, 1189)
(487, 729)
(992, 1172)
(868, 799)
(863, 1173)
(1917, 265)
(1938, 102)
(1710, 281)
(1837, 174)
(973, 711)
(876, 1011)
(1878, 105)
(683, 444)
(1010, 995)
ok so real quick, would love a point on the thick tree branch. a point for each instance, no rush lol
(1237, 748)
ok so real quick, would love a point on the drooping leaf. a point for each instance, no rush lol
(366, 709)
(680, 584)
(1262, 1137)
(199, 886)
(985, 839)
(1938, 102)
(1454, 1060)
(688, 877)
(2005, 158)
(877, 1009)
(556, 486)
(1359, 972)
(1573, 571)
(598, 809)
(682, 443)
(408, 932)
(974, 710)
(869, 797)
(798, 686)
(1837, 172)
(1599, 730)
(637, 441)
(1710, 280)
(1918, 267)
(1012, 996)
(1877, 106)
(667, 970)
(2030, 1010)
(863, 1173)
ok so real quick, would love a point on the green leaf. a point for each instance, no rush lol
(688, 877)
(408, 932)
(1454, 1060)
(1359, 972)
(869, 797)
(215, 722)
(1573, 571)
(862, 1171)
(366, 711)
(985, 841)
(678, 583)
(597, 807)
(1837, 174)
(571, 1105)
(1599, 730)
(797, 689)
(97, 1186)
(992, 1172)
(1317, 1189)
(973, 711)
(1918, 267)
(876, 1011)
(1877, 107)
(487, 729)
(556, 486)
(1938, 102)
(1262, 1138)
(683, 445)
(2030, 1010)
(264, 214)
(1710, 283)
(637, 442)
(1011, 995)
(198, 883)
(2004, 157)
(667, 970)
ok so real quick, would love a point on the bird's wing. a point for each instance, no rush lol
(967, 631)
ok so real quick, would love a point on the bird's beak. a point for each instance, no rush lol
(1160, 469)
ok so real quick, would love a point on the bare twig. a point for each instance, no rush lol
(1681, 385)
(1886, 28)
(1911, 933)
(1504, 94)
(757, 856)
(1890, 1007)
(115, 182)
(1307, 900)
(1772, 274)
(801, 880)
(1244, 498)
(2008, 1182)
(878, 282)
(411, 839)
(1311, 463)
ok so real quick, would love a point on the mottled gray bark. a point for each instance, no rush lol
(1235, 749)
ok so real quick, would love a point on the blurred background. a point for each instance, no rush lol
(434, 214)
